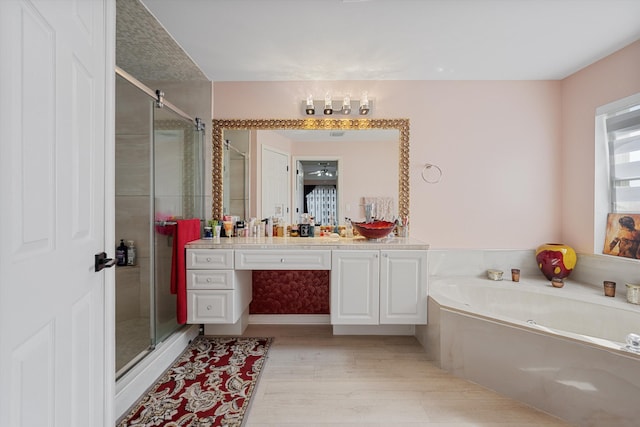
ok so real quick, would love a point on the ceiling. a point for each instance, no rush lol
(301, 40)
(325, 171)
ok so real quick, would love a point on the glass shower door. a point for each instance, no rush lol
(177, 172)
(133, 199)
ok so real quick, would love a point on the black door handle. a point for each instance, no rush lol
(103, 262)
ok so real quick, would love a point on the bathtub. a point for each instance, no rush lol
(560, 350)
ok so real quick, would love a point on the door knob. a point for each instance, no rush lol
(101, 261)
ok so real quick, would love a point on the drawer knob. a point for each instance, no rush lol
(208, 259)
(208, 279)
(281, 259)
(209, 308)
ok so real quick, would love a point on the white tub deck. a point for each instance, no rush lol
(576, 311)
(560, 350)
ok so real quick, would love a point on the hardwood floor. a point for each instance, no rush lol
(314, 379)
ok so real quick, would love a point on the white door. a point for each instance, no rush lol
(56, 130)
(275, 183)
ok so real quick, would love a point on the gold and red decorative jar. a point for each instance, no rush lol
(556, 260)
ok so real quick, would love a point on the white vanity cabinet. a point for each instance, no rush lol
(378, 287)
(216, 292)
(403, 287)
(355, 288)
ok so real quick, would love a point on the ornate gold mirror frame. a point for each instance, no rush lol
(402, 125)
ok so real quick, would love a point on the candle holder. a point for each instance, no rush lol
(609, 288)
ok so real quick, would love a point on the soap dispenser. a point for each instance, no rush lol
(121, 254)
(131, 253)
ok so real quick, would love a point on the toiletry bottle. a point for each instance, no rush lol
(131, 253)
(349, 228)
(269, 227)
(121, 253)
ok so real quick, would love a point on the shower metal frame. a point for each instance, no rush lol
(158, 96)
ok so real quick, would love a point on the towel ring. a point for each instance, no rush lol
(438, 171)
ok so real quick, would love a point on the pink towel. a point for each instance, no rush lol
(185, 231)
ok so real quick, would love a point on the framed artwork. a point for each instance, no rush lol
(622, 235)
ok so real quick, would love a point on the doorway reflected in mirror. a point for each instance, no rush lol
(317, 191)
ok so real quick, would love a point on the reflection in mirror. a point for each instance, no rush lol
(316, 190)
(236, 164)
(395, 161)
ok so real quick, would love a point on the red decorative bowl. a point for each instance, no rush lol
(375, 229)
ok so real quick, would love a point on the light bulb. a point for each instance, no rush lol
(346, 105)
(328, 108)
(310, 110)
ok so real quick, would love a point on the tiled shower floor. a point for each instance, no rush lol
(132, 338)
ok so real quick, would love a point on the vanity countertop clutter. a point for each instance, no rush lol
(376, 286)
(306, 243)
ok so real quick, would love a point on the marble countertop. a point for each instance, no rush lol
(356, 243)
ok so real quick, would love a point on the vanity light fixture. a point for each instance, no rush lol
(345, 106)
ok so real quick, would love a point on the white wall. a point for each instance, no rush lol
(614, 77)
(495, 142)
(517, 156)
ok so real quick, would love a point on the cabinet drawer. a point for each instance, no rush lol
(282, 260)
(210, 258)
(210, 279)
(210, 306)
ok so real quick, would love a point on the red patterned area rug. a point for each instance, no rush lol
(209, 385)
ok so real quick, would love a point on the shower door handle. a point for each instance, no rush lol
(101, 261)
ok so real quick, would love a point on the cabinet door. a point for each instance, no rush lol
(355, 287)
(403, 287)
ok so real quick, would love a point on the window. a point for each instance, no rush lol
(617, 163)
(623, 137)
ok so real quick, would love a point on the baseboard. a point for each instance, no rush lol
(374, 329)
(225, 330)
(289, 319)
(136, 382)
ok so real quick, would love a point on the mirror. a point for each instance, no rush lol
(220, 126)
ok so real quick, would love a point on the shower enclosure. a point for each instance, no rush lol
(159, 178)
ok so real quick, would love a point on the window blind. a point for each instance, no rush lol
(322, 203)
